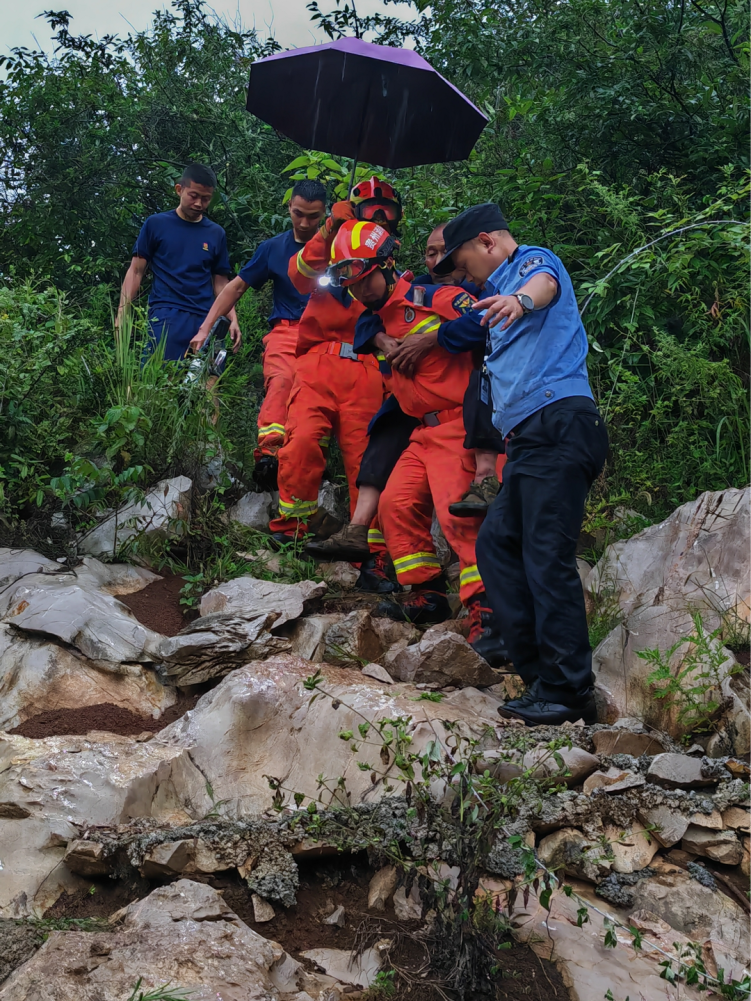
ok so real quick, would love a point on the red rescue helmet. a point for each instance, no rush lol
(359, 248)
(368, 198)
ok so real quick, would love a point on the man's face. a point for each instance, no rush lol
(434, 251)
(306, 217)
(475, 259)
(371, 289)
(194, 200)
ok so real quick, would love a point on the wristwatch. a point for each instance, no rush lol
(525, 301)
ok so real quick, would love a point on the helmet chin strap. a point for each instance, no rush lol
(391, 279)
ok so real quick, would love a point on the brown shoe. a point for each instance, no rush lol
(477, 499)
(349, 543)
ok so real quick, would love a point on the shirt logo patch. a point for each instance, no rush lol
(205, 246)
(531, 262)
(409, 314)
(462, 303)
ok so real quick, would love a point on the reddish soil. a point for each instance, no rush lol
(157, 606)
(324, 885)
(743, 656)
(104, 716)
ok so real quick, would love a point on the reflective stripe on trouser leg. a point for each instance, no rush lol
(412, 569)
(376, 541)
(275, 429)
(469, 575)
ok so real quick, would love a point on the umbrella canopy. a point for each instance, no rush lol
(369, 102)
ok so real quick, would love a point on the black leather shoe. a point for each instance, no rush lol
(540, 712)
(265, 472)
(377, 576)
(529, 696)
(420, 608)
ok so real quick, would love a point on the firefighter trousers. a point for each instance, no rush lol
(330, 395)
(433, 472)
(279, 347)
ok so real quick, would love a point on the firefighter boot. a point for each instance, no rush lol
(264, 475)
(426, 604)
(484, 635)
(377, 575)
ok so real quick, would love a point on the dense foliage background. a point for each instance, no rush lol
(612, 123)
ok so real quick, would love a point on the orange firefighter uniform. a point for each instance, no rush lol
(334, 391)
(435, 468)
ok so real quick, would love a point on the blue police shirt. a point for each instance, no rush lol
(542, 356)
(183, 257)
(270, 263)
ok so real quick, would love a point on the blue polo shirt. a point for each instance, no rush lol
(183, 258)
(270, 263)
(542, 356)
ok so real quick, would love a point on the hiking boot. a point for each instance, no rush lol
(484, 636)
(349, 544)
(265, 472)
(377, 575)
(426, 604)
(540, 712)
(323, 525)
(477, 499)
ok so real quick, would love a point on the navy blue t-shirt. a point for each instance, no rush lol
(183, 257)
(270, 263)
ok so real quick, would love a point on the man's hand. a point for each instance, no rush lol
(200, 339)
(499, 307)
(385, 344)
(235, 334)
(340, 213)
(407, 355)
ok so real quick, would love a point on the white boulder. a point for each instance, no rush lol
(250, 596)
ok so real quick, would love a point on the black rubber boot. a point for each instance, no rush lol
(377, 576)
(426, 604)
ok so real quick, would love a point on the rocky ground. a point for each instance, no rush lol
(142, 758)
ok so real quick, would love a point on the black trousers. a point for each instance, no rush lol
(526, 548)
(478, 420)
(389, 436)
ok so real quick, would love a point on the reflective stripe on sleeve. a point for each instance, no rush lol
(304, 268)
(426, 326)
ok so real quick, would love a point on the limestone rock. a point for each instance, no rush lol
(113, 578)
(735, 688)
(722, 846)
(669, 825)
(381, 887)
(332, 498)
(37, 675)
(379, 673)
(17, 563)
(308, 635)
(254, 511)
(698, 559)
(343, 966)
(678, 771)
(158, 516)
(262, 909)
(353, 640)
(633, 850)
(408, 907)
(337, 917)
(577, 764)
(185, 857)
(484, 704)
(694, 909)
(58, 782)
(746, 860)
(739, 818)
(216, 644)
(182, 934)
(613, 780)
(339, 574)
(712, 820)
(578, 856)
(621, 741)
(95, 623)
(86, 858)
(390, 632)
(249, 596)
(439, 659)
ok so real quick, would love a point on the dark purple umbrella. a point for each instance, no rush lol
(370, 102)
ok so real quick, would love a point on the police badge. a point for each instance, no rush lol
(409, 314)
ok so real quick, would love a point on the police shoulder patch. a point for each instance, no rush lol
(535, 261)
(462, 303)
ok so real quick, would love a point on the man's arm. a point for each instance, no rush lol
(542, 288)
(228, 294)
(131, 285)
(235, 335)
(313, 257)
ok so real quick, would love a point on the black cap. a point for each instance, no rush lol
(486, 218)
